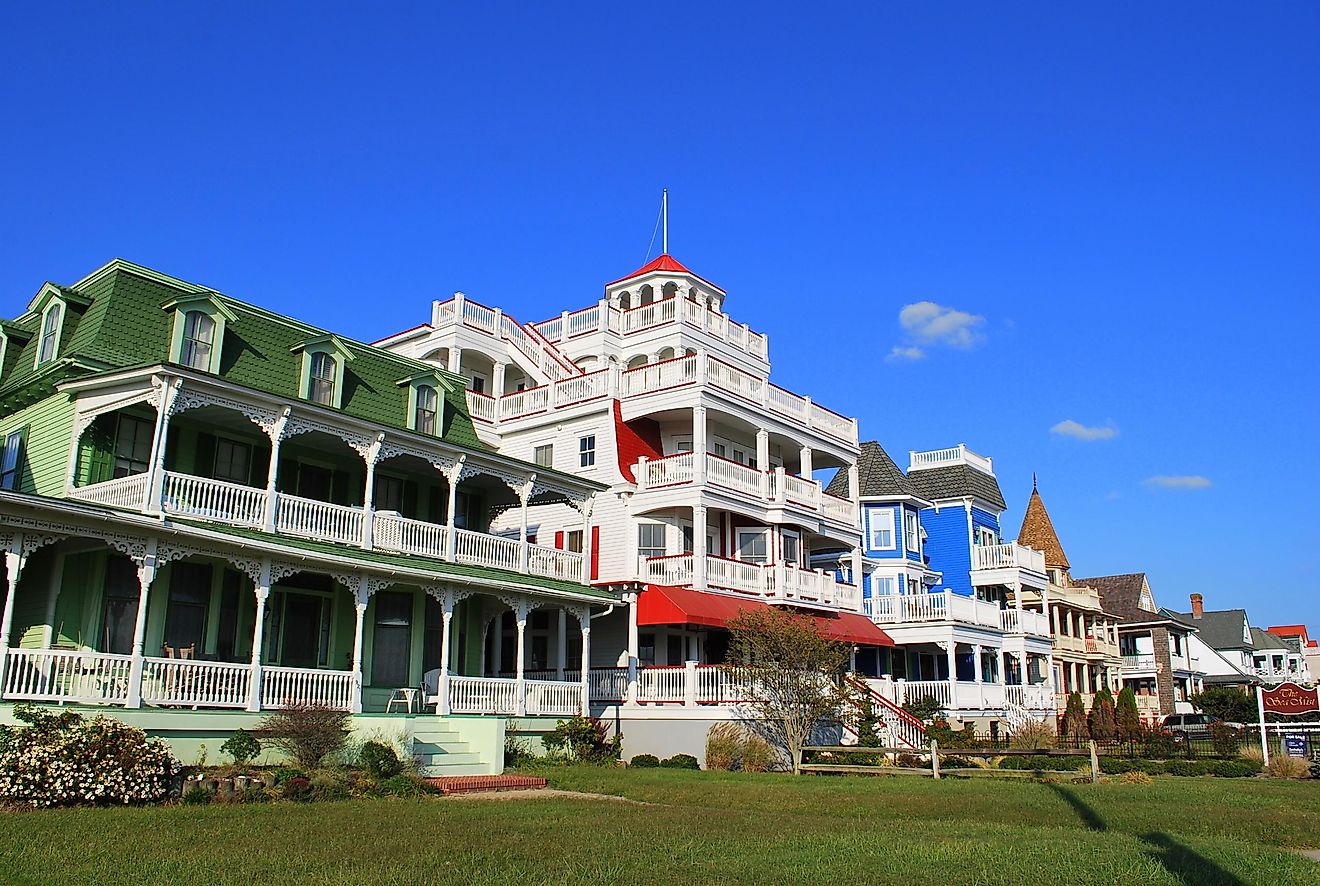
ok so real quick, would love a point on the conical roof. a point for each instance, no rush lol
(1038, 532)
(665, 263)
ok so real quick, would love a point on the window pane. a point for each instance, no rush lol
(390, 651)
(232, 460)
(49, 334)
(321, 387)
(424, 419)
(544, 456)
(9, 461)
(587, 451)
(198, 336)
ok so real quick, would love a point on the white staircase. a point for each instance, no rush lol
(538, 357)
(439, 749)
(905, 729)
(1017, 716)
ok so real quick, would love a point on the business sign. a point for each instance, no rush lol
(1294, 744)
(1290, 698)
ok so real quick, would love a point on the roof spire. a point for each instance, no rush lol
(1033, 481)
(664, 212)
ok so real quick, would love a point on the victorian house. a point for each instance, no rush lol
(1086, 653)
(207, 506)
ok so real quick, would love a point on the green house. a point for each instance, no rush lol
(205, 505)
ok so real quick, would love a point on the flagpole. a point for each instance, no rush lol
(1264, 743)
(664, 211)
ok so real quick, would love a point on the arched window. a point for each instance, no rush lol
(424, 415)
(50, 335)
(198, 340)
(321, 385)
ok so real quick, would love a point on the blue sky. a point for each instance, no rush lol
(1112, 214)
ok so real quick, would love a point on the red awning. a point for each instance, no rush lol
(661, 605)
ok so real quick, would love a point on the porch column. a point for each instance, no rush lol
(1049, 672)
(857, 571)
(520, 613)
(360, 600)
(456, 356)
(447, 616)
(146, 575)
(805, 463)
(763, 449)
(1023, 666)
(14, 561)
(497, 382)
(1001, 672)
(561, 644)
(262, 591)
(633, 643)
(977, 676)
(951, 651)
(699, 547)
(586, 661)
(369, 494)
(588, 548)
(524, 495)
(699, 444)
(453, 475)
(169, 389)
(272, 471)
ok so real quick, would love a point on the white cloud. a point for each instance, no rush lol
(900, 353)
(1079, 431)
(926, 322)
(1178, 481)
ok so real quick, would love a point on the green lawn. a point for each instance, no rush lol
(692, 827)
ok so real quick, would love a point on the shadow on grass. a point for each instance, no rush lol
(1187, 865)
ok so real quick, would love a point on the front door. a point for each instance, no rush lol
(302, 621)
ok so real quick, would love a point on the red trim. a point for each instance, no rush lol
(668, 264)
(595, 553)
(404, 332)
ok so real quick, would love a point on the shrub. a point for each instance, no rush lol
(380, 760)
(1253, 753)
(242, 747)
(927, 708)
(644, 761)
(328, 787)
(1186, 767)
(1043, 763)
(759, 756)
(197, 795)
(254, 794)
(724, 746)
(1032, 735)
(516, 752)
(583, 738)
(1134, 777)
(1284, 766)
(1074, 719)
(297, 788)
(306, 733)
(1127, 716)
(284, 773)
(1159, 746)
(1226, 739)
(1226, 703)
(681, 761)
(65, 760)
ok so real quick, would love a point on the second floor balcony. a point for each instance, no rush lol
(769, 582)
(948, 607)
(1008, 564)
(773, 489)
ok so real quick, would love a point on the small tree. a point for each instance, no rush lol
(792, 676)
(306, 733)
(1226, 703)
(1127, 715)
(1074, 718)
(926, 708)
(1103, 723)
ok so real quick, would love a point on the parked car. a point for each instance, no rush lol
(1192, 725)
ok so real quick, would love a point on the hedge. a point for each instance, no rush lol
(1119, 765)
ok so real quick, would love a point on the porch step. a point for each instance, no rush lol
(442, 752)
(469, 784)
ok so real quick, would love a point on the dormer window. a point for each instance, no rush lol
(198, 340)
(425, 411)
(50, 333)
(199, 331)
(321, 383)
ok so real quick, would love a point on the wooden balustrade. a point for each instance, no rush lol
(121, 492)
(282, 687)
(318, 519)
(62, 675)
(189, 682)
(207, 499)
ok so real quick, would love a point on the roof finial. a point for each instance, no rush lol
(1033, 481)
(664, 211)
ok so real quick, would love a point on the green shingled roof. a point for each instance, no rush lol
(124, 326)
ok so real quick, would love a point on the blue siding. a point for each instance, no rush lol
(894, 553)
(988, 519)
(948, 547)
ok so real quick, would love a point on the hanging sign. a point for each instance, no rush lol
(1290, 698)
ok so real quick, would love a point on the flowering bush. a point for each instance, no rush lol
(65, 760)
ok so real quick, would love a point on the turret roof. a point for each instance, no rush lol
(666, 263)
(1038, 532)
(877, 475)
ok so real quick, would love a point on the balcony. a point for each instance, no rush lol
(199, 498)
(1142, 662)
(770, 489)
(772, 583)
(702, 373)
(966, 695)
(946, 606)
(1008, 564)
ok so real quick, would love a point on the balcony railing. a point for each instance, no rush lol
(1139, 662)
(967, 695)
(704, 372)
(1008, 556)
(774, 488)
(775, 582)
(222, 502)
(956, 455)
(946, 606)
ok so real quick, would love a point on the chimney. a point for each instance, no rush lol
(1198, 608)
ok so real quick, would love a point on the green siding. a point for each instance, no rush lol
(48, 425)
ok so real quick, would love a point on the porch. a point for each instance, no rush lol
(770, 582)
(946, 606)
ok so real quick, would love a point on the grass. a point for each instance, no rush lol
(696, 827)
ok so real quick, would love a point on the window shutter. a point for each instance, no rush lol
(204, 461)
(287, 480)
(559, 540)
(595, 553)
(409, 504)
(98, 449)
(339, 487)
(435, 504)
(260, 466)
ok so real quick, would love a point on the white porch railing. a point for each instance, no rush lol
(190, 496)
(956, 455)
(482, 406)
(1024, 621)
(318, 519)
(1007, 556)
(732, 475)
(281, 687)
(772, 581)
(481, 549)
(122, 492)
(66, 675)
(499, 695)
(393, 533)
(206, 684)
(966, 695)
(659, 376)
(1036, 697)
(1139, 662)
(553, 697)
(938, 606)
